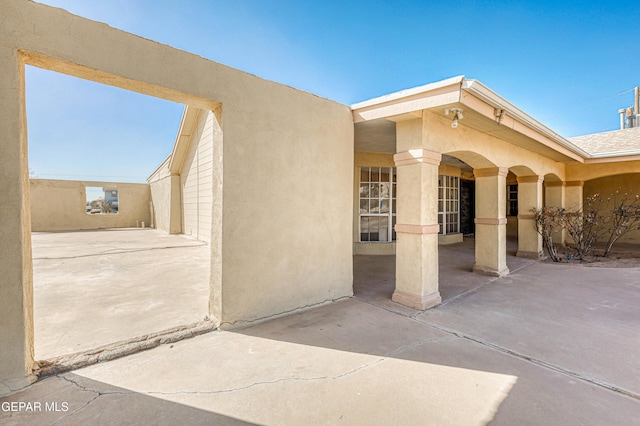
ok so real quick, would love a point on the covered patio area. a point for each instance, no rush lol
(374, 275)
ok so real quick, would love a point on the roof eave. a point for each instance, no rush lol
(489, 96)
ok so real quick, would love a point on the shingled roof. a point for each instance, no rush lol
(615, 142)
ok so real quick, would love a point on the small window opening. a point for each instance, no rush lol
(101, 200)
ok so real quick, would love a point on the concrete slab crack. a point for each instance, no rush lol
(306, 379)
(416, 344)
(246, 323)
(271, 382)
(97, 393)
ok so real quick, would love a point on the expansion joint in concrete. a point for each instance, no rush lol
(118, 251)
(537, 362)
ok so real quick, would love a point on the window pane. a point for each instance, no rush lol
(364, 190)
(384, 206)
(384, 229)
(373, 229)
(384, 190)
(364, 228)
(394, 206)
(374, 190)
(364, 174)
(364, 206)
(384, 175)
(374, 205)
(375, 174)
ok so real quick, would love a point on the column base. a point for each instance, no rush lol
(537, 255)
(417, 302)
(485, 270)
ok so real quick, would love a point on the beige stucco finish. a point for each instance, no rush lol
(166, 199)
(616, 187)
(60, 205)
(270, 254)
(417, 218)
(491, 221)
(529, 197)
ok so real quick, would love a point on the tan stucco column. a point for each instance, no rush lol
(16, 283)
(529, 197)
(417, 229)
(554, 197)
(491, 221)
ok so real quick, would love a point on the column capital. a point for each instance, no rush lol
(490, 172)
(554, 184)
(417, 156)
(574, 183)
(529, 179)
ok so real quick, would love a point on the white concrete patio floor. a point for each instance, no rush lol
(92, 288)
(548, 344)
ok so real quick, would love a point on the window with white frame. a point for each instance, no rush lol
(449, 204)
(377, 204)
(512, 200)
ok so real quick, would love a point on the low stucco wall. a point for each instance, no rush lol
(60, 205)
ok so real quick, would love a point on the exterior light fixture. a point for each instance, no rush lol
(457, 115)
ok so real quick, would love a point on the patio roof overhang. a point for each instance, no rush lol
(484, 111)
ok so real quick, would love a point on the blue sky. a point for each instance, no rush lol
(567, 64)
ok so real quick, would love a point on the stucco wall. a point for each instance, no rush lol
(608, 186)
(60, 205)
(282, 176)
(286, 221)
(160, 186)
(594, 170)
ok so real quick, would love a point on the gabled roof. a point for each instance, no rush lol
(492, 114)
(483, 108)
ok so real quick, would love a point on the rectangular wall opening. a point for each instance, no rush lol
(102, 271)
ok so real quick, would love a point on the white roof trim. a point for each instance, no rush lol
(409, 92)
(489, 96)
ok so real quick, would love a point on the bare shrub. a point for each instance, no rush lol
(624, 218)
(547, 221)
(584, 226)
